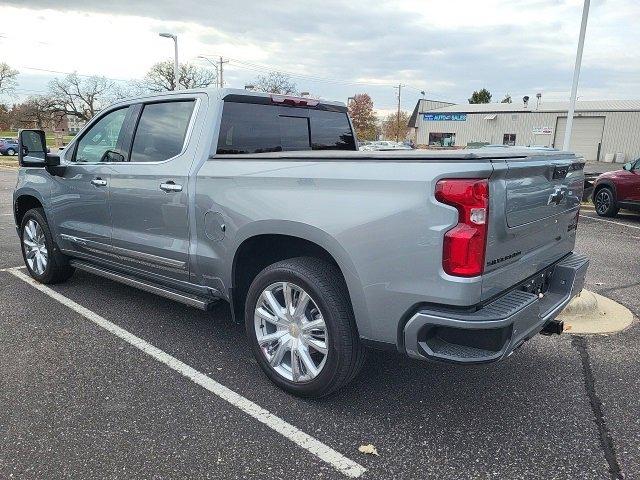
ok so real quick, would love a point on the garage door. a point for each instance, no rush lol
(585, 138)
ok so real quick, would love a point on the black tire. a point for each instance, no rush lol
(57, 268)
(11, 151)
(324, 283)
(604, 201)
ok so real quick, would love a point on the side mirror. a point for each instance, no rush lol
(627, 166)
(33, 152)
(112, 156)
(32, 148)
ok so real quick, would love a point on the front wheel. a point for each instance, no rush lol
(605, 203)
(301, 327)
(11, 151)
(44, 261)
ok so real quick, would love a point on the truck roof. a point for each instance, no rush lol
(221, 93)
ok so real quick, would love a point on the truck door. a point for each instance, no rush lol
(79, 195)
(149, 193)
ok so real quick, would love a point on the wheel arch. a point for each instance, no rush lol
(605, 183)
(24, 202)
(270, 242)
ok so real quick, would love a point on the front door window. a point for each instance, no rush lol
(100, 143)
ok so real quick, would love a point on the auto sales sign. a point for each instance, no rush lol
(445, 117)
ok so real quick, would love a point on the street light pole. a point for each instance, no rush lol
(576, 76)
(176, 65)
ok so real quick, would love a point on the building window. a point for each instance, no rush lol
(509, 139)
(442, 139)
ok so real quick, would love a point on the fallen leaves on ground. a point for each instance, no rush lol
(368, 449)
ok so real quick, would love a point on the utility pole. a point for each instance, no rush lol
(399, 87)
(220, 70)
(576, 76)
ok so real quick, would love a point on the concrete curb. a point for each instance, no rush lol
(590, 313)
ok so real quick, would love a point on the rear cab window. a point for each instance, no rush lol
(260, 128)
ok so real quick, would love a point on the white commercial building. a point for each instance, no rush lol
(601, 129)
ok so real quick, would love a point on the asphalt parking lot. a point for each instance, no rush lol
(80, 402)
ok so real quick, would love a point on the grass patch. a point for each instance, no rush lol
(9, 162)
(51, 138)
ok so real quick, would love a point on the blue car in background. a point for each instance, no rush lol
(8, 146)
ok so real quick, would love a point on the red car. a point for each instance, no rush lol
(619, 189)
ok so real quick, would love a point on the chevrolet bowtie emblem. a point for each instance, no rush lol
(556, 197)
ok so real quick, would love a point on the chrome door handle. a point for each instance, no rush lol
(170, 187)
(98, 182)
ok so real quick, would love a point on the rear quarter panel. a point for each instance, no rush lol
(378, 219)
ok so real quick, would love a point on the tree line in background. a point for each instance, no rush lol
(81, 96)
(484, 96)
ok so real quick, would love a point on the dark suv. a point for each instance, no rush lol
(619, 189)
(8, 146)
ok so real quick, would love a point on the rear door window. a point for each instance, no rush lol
(259, 128)
(161, 131)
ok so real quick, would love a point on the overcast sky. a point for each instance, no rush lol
(335, 49)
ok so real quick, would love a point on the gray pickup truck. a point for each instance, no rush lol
(322, 250)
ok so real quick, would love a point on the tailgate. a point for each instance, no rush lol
(533, 217)
(539, 189)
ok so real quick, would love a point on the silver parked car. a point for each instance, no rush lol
(322, 251)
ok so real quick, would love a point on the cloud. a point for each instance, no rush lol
(448, 48)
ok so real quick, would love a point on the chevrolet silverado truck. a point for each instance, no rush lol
(323, 251)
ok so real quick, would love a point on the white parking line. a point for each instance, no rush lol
(327, 454)
(610, 221)
(8, 269)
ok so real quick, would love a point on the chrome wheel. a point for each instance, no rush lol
(291, 332)
(603, 201)
(35, 247)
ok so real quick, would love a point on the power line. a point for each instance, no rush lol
(266, 69)
(69, 73)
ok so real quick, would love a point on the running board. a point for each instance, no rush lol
(194, 301)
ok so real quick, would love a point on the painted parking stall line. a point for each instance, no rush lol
(9, 269)
(325, 453)
(610, 221)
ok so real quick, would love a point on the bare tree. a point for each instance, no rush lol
(37, 111)
(8, 78)
(80, 97)
(275, 82)
(160, 77)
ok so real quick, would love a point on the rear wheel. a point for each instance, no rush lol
(605, 203)
(301, 328)
(44, 261)
(11, 151)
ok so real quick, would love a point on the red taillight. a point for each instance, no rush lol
(295, 101)
(465, 244)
